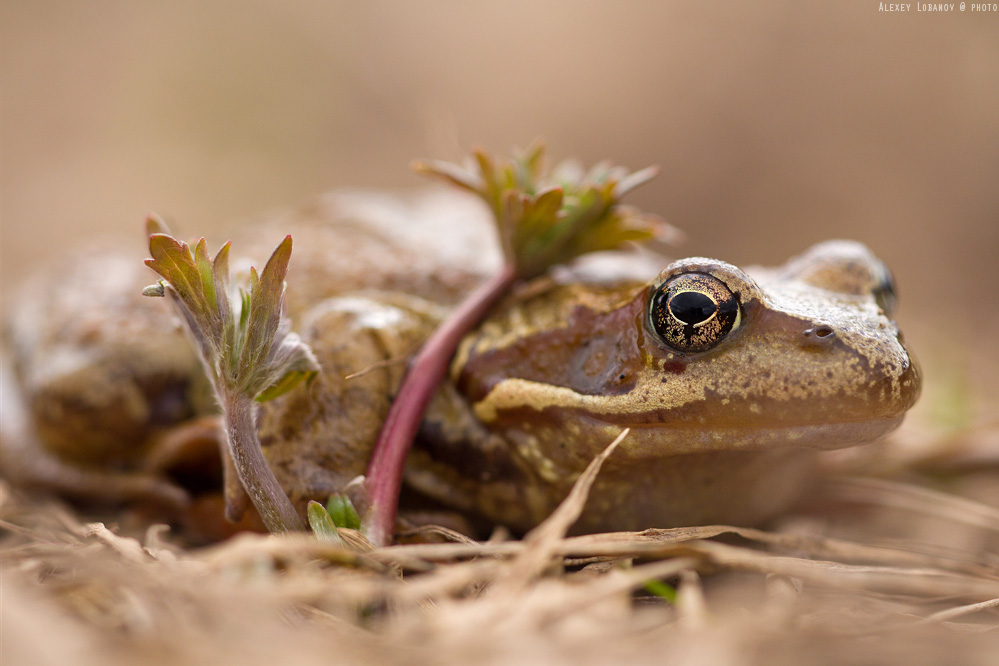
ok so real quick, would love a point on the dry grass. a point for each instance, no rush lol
(883, 570)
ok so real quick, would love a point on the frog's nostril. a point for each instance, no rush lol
(821, 331)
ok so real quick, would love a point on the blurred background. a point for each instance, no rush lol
(776, 124)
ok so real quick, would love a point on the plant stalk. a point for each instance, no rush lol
(426, 372)
(255, 474)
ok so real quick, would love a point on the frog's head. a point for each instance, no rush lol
(709, 358)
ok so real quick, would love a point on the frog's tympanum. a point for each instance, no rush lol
(729, 379)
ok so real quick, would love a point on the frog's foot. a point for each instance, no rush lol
(30, 466)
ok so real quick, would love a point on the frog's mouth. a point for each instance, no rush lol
(723, 422)
(657, 440)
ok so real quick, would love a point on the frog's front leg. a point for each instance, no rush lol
(319, 438)
(468, 467)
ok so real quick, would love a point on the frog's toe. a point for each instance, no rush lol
(103, 487)
(188, 452)
(195, 454)
(137, 488)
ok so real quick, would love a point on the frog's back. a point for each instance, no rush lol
(432, 244)
(101, 369)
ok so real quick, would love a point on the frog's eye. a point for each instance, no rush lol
(693, 312)
(884, 293)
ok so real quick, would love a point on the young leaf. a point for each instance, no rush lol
(322, 524)
(342, 510)
(250, 354)
(548, 218)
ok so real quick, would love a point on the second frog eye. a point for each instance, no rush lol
(693, 312)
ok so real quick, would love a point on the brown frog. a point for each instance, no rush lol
(729, 380)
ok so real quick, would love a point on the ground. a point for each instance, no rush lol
(882, 566)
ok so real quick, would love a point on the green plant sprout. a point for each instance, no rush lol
(543, 218)
(326, 521)
(662, 590)
(248, 352)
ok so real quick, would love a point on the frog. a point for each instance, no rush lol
(730, 382)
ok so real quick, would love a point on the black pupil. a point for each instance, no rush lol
(692, 307)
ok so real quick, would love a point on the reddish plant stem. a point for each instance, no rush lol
(427, 371)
